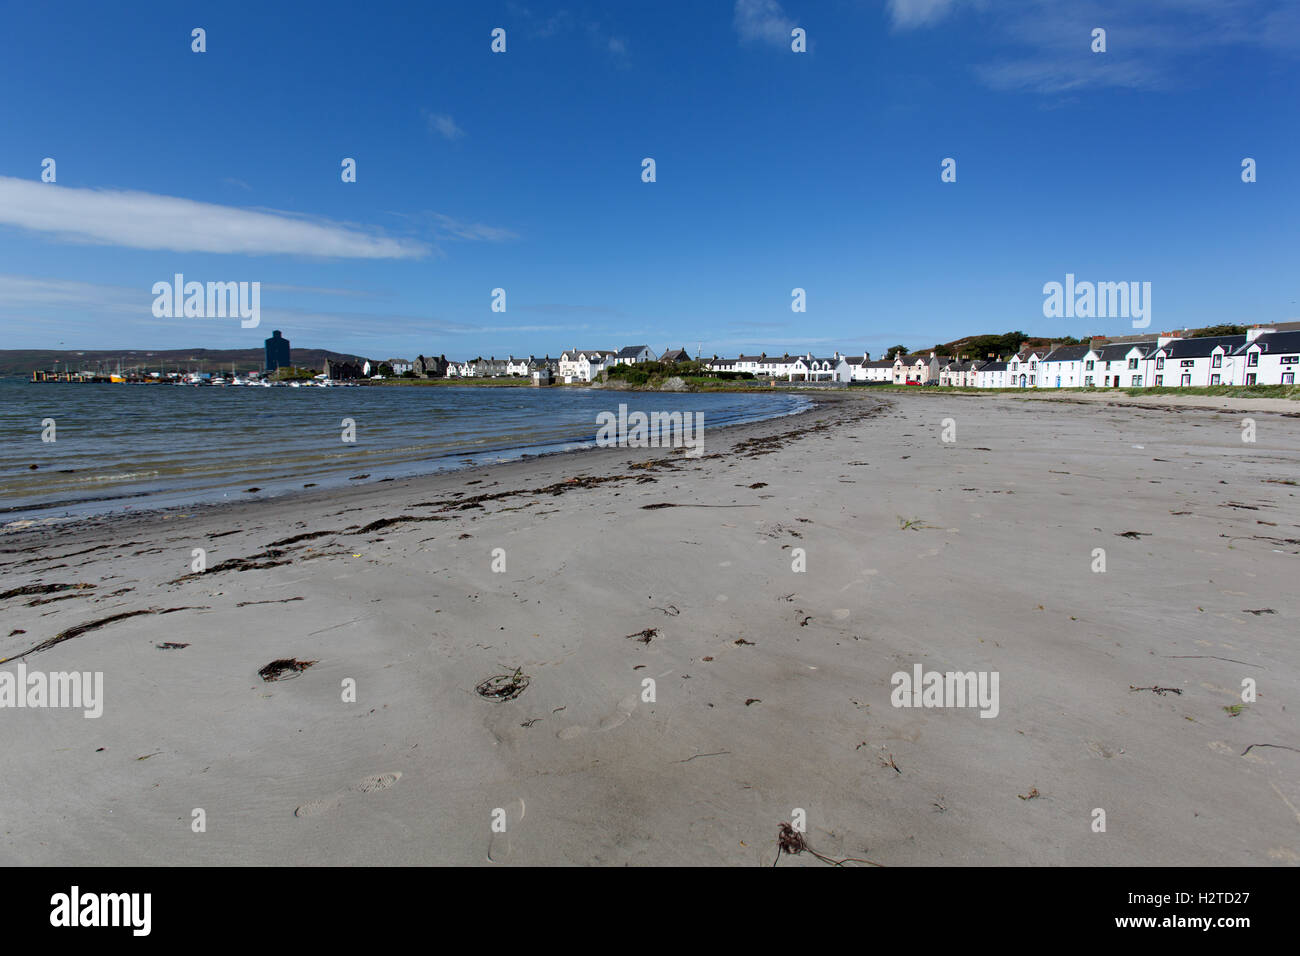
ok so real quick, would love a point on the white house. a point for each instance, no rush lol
(1022, 368)
(1269, 358)
(633, 354)
(857, 367)
(991, 375)
(756, 365)
(1063, 367)
(881, 370)
(807, 368)
(1195, 362)
(1119, 365)
(584, 365)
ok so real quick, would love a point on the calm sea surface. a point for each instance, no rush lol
(145, 446)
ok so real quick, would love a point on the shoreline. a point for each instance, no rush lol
(19, 521)
(771, 684)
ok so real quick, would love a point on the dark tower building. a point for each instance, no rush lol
(277, 352)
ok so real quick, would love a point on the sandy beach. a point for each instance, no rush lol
(771, 686)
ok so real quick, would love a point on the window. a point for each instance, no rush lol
(1188, 363)
(1088, 365)
(1252, 360)
(1216, 362)
(1132, 363)
(1160, 362)
(1250, 378)
(1214, 380)
(1137, 380)
(1087, 380)
(1160, 380)
(1289, 359)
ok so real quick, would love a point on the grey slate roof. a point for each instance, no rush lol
(1275, 343)
(1202, 347)
(1068, 353)
(1115, 352)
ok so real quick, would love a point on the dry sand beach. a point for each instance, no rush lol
(772, 688)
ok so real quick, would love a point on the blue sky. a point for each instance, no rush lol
(522, 170)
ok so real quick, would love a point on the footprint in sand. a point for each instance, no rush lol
(370, 784)
(625, 708)
(1104, 749)
(499, 844)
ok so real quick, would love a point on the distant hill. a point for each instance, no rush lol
(21, 362)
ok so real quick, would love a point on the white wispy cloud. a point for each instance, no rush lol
(1158, 44)
(762, 21)
(443, 125)
(906, 14)
(475, 231)
(25, 293)
(564, 23)
(140, 220)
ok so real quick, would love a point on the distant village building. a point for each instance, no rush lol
(1264, 355)
(484, 368)
(584, 365)
(959, 373)
(633, 354)
(916, 369)
(277, 352)
(807, 368)
(342, 371)
(433, 366)
(1268, 358)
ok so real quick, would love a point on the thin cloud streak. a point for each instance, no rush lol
(140, 220)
